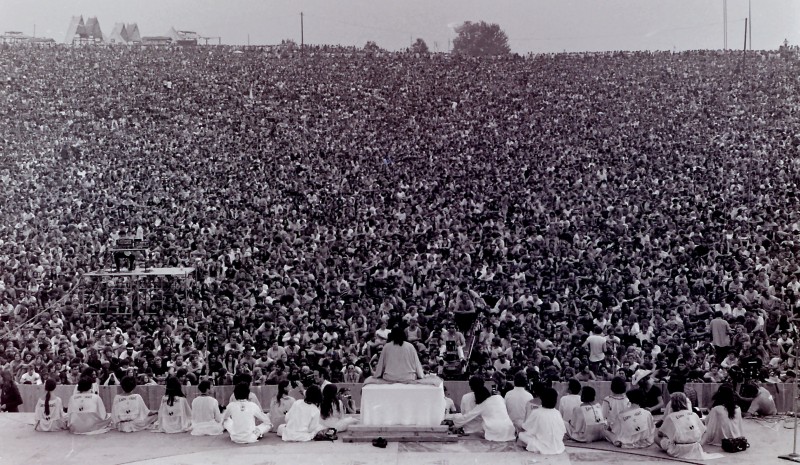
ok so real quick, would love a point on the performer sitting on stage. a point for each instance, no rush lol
(206, 417)
(682, 430)
(543, 430)
(129, 413)
(399, 363)
(49, 413)
(174, 415)
(241, 415)
(586, 423)
(491, 410)
(635, 428)
(86, 413)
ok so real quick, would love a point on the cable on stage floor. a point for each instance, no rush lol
(634, 452)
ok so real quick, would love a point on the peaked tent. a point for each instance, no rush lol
(93, 29)
(76, 28)
(133, 32)
(119, 35)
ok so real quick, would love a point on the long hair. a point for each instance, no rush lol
(313, 395)
(397, 336)
(283, 390)
(49, 386)
(481, 393)
(330, 401)
(724, 396)
(173, 390)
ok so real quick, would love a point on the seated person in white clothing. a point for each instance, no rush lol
(174, 414)
(241, 415)
(543, 430)
(49, 413)
(86, 413)
(206, 417)
(303, 418)
(586, 424)
(491, 409)
(399, 362)
(634, 428)
(517, 400)
(568, 402)
(248, 379)
(468, 403)
(129, 413)
(332, 414)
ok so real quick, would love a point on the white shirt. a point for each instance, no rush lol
(517, 405)
(243, 414)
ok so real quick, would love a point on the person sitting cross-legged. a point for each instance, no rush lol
(86, 413)
(681, 432)
(49, 413)
(241, 415)
(303, 418)
(174, 414)
(543, 430)
(634, 429)
(206, 417)
(129, 413)
(586, 424)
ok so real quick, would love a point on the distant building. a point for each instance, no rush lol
(14, 38)
(156, 40)
(183, 38)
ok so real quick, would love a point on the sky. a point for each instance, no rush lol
(537, 26)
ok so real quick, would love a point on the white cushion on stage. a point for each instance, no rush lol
(402, 404)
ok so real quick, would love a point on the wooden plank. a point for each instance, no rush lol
(399, 438)
(397, 429)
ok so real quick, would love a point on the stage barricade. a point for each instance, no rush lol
(782, 393)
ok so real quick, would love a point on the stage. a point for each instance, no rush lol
(22, 445)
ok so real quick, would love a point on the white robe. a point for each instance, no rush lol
(467, 404)
(680, 436)
(86, 414)
(719, 426)
(517, 405)
(496, 423)
(613, 405)
(543, 431)
(277, 411)
(206, 417)
(587, 424)
(129, 414)
(55, 421)
(302, 422)
(635, 429)
(175, 418)
(240, 421)
(567, 404)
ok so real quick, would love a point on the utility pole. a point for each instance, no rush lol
(302, 34)
(750, 16)
(34, 30)
(744, 52)
(725, 22)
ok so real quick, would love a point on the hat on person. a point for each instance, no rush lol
(640, 375)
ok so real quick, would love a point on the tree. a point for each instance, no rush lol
(372, 47)
(480, 40)
(419, 46)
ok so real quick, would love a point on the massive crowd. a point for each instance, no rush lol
(580, 216)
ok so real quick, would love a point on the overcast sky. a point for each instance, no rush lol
(532, 25)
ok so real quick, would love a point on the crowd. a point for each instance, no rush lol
(572, 216)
